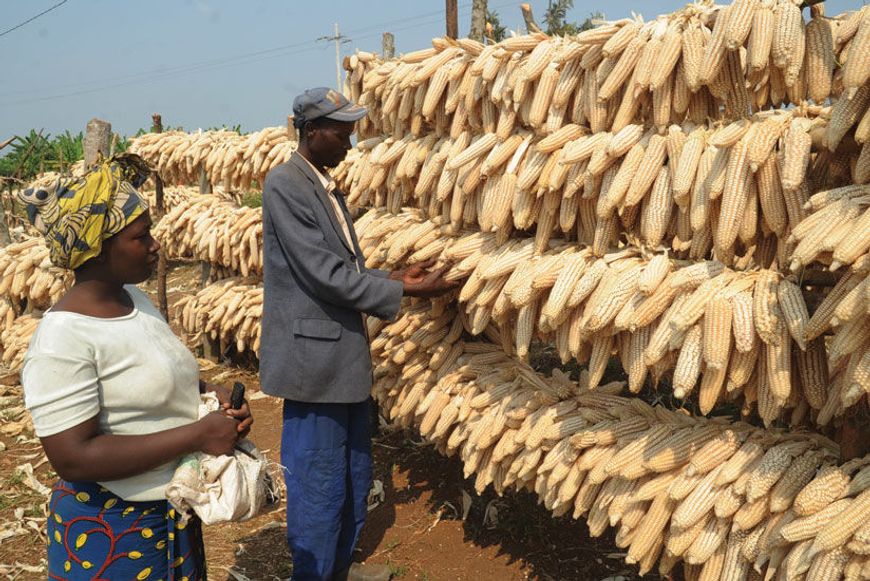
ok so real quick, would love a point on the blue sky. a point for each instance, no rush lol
(203, 63)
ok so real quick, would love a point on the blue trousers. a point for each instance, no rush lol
(326, 453)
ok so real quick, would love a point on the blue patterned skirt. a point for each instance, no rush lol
(94, 534)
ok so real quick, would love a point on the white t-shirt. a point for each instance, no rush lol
(131, 371)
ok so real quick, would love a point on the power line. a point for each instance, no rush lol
(158, 77)
(339, 40)
(192, 67)
(149, 77)
(32, 18)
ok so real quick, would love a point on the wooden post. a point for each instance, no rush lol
(388, 45)
(98, 133)
(162, 302)
(478, 20)
(159, 212)
(210, 348)
(204, 188)
(204, 184)
(5, 238)
(452, 19)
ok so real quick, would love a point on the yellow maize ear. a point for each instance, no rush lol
(856, 71)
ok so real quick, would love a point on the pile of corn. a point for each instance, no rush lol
(729, 334)
(633, 191)
(28, 275)
(15, 339)
(227, 311)
(722, 497)
(50, 178)
(173, 195)
(176, 194)
(729, 188)
(216, 231)
(228, 158)
(838, 231)
(635, 140)
(701, 62)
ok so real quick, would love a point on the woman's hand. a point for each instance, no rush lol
(243, 414)
(218, 433)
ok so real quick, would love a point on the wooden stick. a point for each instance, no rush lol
(160, 211)
(162, 302)
(452, 15)
(531, 25)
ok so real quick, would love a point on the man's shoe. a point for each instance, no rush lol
(365, 572)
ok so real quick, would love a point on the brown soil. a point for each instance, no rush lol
(418, 530)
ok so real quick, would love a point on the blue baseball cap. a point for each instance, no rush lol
(324, 102)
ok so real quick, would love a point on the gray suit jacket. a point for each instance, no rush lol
(314, 346)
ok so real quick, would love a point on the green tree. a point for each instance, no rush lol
(27, 152)
(68, 149)
(588, 23)
(30, 153)
(556, 19)
(495, 31)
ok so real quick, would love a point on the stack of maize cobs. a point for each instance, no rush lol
(701, 62)
(15, 339)
(837, 232)
(730, 188)
(674, 207)
(228, 158)
(729, 334)
(227, 311)
(213, 230)
(28, 278)
(723, 498)
(174, 195)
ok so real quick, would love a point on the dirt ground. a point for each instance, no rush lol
(418, 529)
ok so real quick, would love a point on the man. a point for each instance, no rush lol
(314, 349)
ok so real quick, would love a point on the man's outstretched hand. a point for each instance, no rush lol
(418, 281)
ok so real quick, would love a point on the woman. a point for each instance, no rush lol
(113, 393)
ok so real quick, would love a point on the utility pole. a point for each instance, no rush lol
(452, 19)
(339, 40)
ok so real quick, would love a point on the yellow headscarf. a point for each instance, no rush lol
(75, 217)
